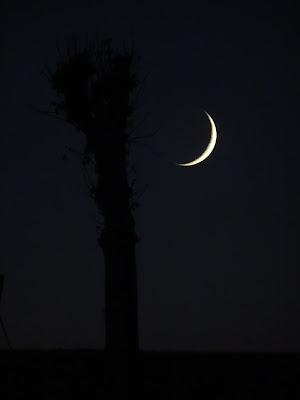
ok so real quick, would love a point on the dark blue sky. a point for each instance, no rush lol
(218, 258)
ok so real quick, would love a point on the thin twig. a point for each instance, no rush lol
(145, 136)
(5, 333)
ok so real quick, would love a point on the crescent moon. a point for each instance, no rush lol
(210, 147)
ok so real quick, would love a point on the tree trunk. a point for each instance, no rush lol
(121, 303)
(121, 309)
(118, 241)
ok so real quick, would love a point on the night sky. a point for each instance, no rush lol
(218, 264)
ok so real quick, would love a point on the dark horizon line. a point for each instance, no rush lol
(182, 352)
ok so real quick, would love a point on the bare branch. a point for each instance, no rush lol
(138, 126)
(51, 114)
(139, 92)
(148, 147)
(76, 152)
(134, 139)
(86, 176)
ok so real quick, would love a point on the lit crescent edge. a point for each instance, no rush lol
(210, 147)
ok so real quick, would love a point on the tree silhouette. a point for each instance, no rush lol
(99, 90)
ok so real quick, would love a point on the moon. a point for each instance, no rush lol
(210, 147)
